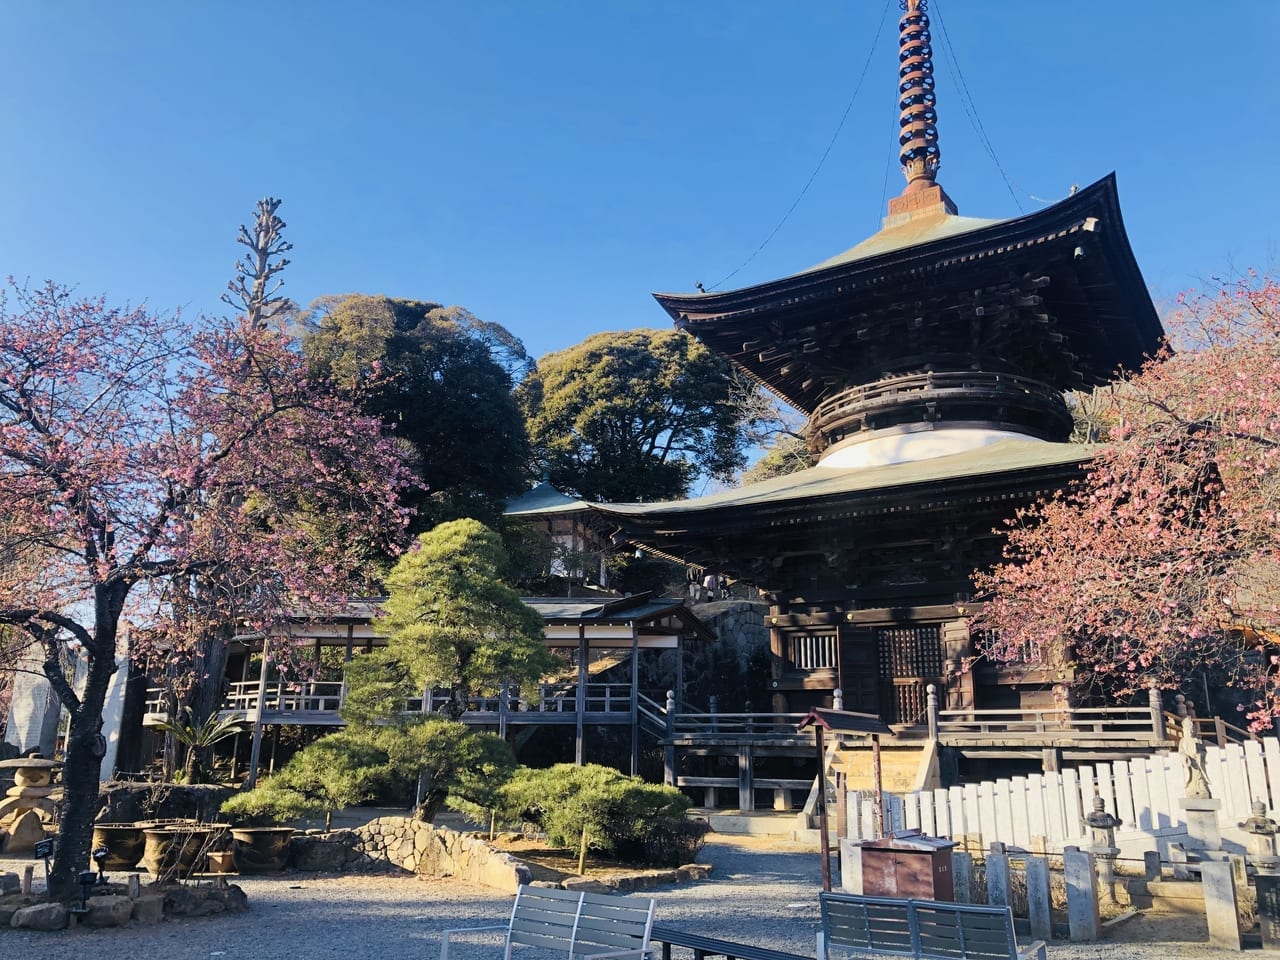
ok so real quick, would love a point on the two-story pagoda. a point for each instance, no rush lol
(931, 361)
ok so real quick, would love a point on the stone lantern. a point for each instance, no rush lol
(1262, 837)
(29, 804)
(1262, 853)
(1102, 828)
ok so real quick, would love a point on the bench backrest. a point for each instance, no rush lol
(580, 924)
(918, 928)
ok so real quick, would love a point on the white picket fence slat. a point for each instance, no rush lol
(1047, 810)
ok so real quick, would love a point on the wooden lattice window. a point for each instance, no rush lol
(910, 652)
(812, 651)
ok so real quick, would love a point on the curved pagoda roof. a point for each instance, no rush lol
(733, 529)
(1055, 295)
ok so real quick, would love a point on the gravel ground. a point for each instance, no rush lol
(760, 892)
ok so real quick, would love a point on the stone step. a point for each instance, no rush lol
(781, 826)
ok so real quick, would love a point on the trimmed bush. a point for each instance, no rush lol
(616, 815)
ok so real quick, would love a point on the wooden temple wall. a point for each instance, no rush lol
(1045, 812)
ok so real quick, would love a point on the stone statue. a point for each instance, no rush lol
(1194, 756)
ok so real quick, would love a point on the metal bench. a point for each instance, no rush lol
(585, 926)
(927, 929)
(711, 947)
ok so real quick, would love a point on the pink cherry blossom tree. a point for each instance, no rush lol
(1162, 561)
(137, 452)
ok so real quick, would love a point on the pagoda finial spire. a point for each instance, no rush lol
(919, 135)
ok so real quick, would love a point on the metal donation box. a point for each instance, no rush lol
(905, 864)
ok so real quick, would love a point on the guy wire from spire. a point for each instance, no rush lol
(805, 189)
(971, 111)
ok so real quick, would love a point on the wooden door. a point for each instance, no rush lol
(910, 659)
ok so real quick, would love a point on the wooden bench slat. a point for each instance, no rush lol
(636, 925)
(531, 894)
(926, 929)
(546, 941)
(574, 925)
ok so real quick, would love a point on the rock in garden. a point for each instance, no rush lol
(108, 911)
(584, 885)
(693, 871)
(148, 909)
(40, 916)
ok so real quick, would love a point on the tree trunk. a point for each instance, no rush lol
(582, 854)
(429, 808)
(80, 778)
(456, 705)
(210, 666)
(86, 747)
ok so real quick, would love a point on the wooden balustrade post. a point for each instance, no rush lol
(1220, 731)
(931, 706)
(714, 708)
(1157, 713)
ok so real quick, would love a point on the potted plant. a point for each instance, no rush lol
(123, 843)
(175, 850)
(259, 843)
(198, 736)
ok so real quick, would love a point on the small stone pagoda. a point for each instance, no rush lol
(931, 361)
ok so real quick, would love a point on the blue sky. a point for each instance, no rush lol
(548, 164)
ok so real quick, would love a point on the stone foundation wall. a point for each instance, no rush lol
(736, 668)
(390, 844)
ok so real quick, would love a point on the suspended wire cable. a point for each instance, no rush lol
(888, 163)
(971, 111)
(823, 159)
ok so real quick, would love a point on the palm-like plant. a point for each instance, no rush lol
(198, 736)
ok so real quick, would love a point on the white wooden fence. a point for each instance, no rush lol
(1045, 812)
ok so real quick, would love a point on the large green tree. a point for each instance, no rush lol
(632, 416)
(442, 379)
(453, 623)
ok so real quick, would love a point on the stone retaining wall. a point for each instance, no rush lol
(390, 844)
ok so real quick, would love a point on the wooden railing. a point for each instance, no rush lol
(1213, 730)
(1097, 723)
(550, 698)
(327, 696)
(676, 720)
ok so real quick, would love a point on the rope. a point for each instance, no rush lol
(823, 159)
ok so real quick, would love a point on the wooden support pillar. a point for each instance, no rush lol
(635, 700)
(275, 743)
(503, 695)
(746, 783)
(1051, 760)
(351, 636)
(842, 806)
(877, 776)
(824, 835)
(580, 701)
(669, 750)
(255, 750)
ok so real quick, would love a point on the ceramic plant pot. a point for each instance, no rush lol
(124, 843)
(260, 849)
